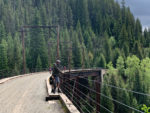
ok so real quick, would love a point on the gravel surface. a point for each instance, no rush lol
(27, 95)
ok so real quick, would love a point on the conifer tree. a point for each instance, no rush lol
(138, 49)
(37, 44)
(17, 59)
(123, 37)
(138, 30)
(3, 56)
(107, 48)
(79, 32)
(124, 98)
(70, 21)
(107, 103)
(126, 49)
(102, 61)
(115, 92)
(2, 32)
(66, 51)
(82, 12)
(39, 64)
(120, 65)
(77, 57)
(10, 52)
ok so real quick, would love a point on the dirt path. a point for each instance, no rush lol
(27, 95)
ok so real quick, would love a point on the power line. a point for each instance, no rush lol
(110, 98)
(74, 101)
(80, 97)
(124, 89)
(93, 100)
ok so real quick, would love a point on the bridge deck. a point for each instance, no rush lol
(27, 95)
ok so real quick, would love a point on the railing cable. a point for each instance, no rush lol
(109, 97)
(116, 87)
(92, 100)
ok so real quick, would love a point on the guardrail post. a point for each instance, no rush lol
(98, 90)
(74, 86)
(76, 92)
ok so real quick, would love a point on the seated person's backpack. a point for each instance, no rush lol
(51, 80)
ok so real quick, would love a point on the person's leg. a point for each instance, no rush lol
(58, 84)
(53, 86)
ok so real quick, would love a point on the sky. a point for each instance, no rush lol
(141, 10)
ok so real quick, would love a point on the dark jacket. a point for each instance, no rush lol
(56, 70)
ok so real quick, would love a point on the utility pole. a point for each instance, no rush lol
(58, 42)
(49, 44)
(35, 27)
(69, 58)
(98, 90)
(49, 54)
(83, 60)
(23, 51)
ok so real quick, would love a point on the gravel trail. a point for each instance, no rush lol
(27, 95)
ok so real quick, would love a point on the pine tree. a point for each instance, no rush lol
(39, 64)
(107, 103)
(79, 32)
(77, 56)
(102, 61)
(37, 3)
(116, 54)
(115, 92)
(82, 12)
(107, 48)
(123, 12)
(120, 65)
(10, 51)
(123, 37)
(2, 32)
(70, 21)
(17, 59)
(37, 44)
(138, 30)
(62, 13)
(126, 49)
(66, 51)
(138, 49)
(3, 56)
(124, 98)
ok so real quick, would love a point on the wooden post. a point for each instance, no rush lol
(83, 60)
(98, 90)
(76, 93)
(69, 60)
(49, 44)
(58, 42)
(49, 55)
(23, 52)
(74, 85)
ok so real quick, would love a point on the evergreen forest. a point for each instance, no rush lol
(93, 33)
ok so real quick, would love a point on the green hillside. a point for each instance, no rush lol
(103, 34)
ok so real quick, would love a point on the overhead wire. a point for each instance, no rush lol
(124, 89)
(75, 101)
(80, 96)
(93, 100)
(109, 98)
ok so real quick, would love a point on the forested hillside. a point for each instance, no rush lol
(102, 32)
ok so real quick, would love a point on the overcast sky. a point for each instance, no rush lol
(140, 9)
